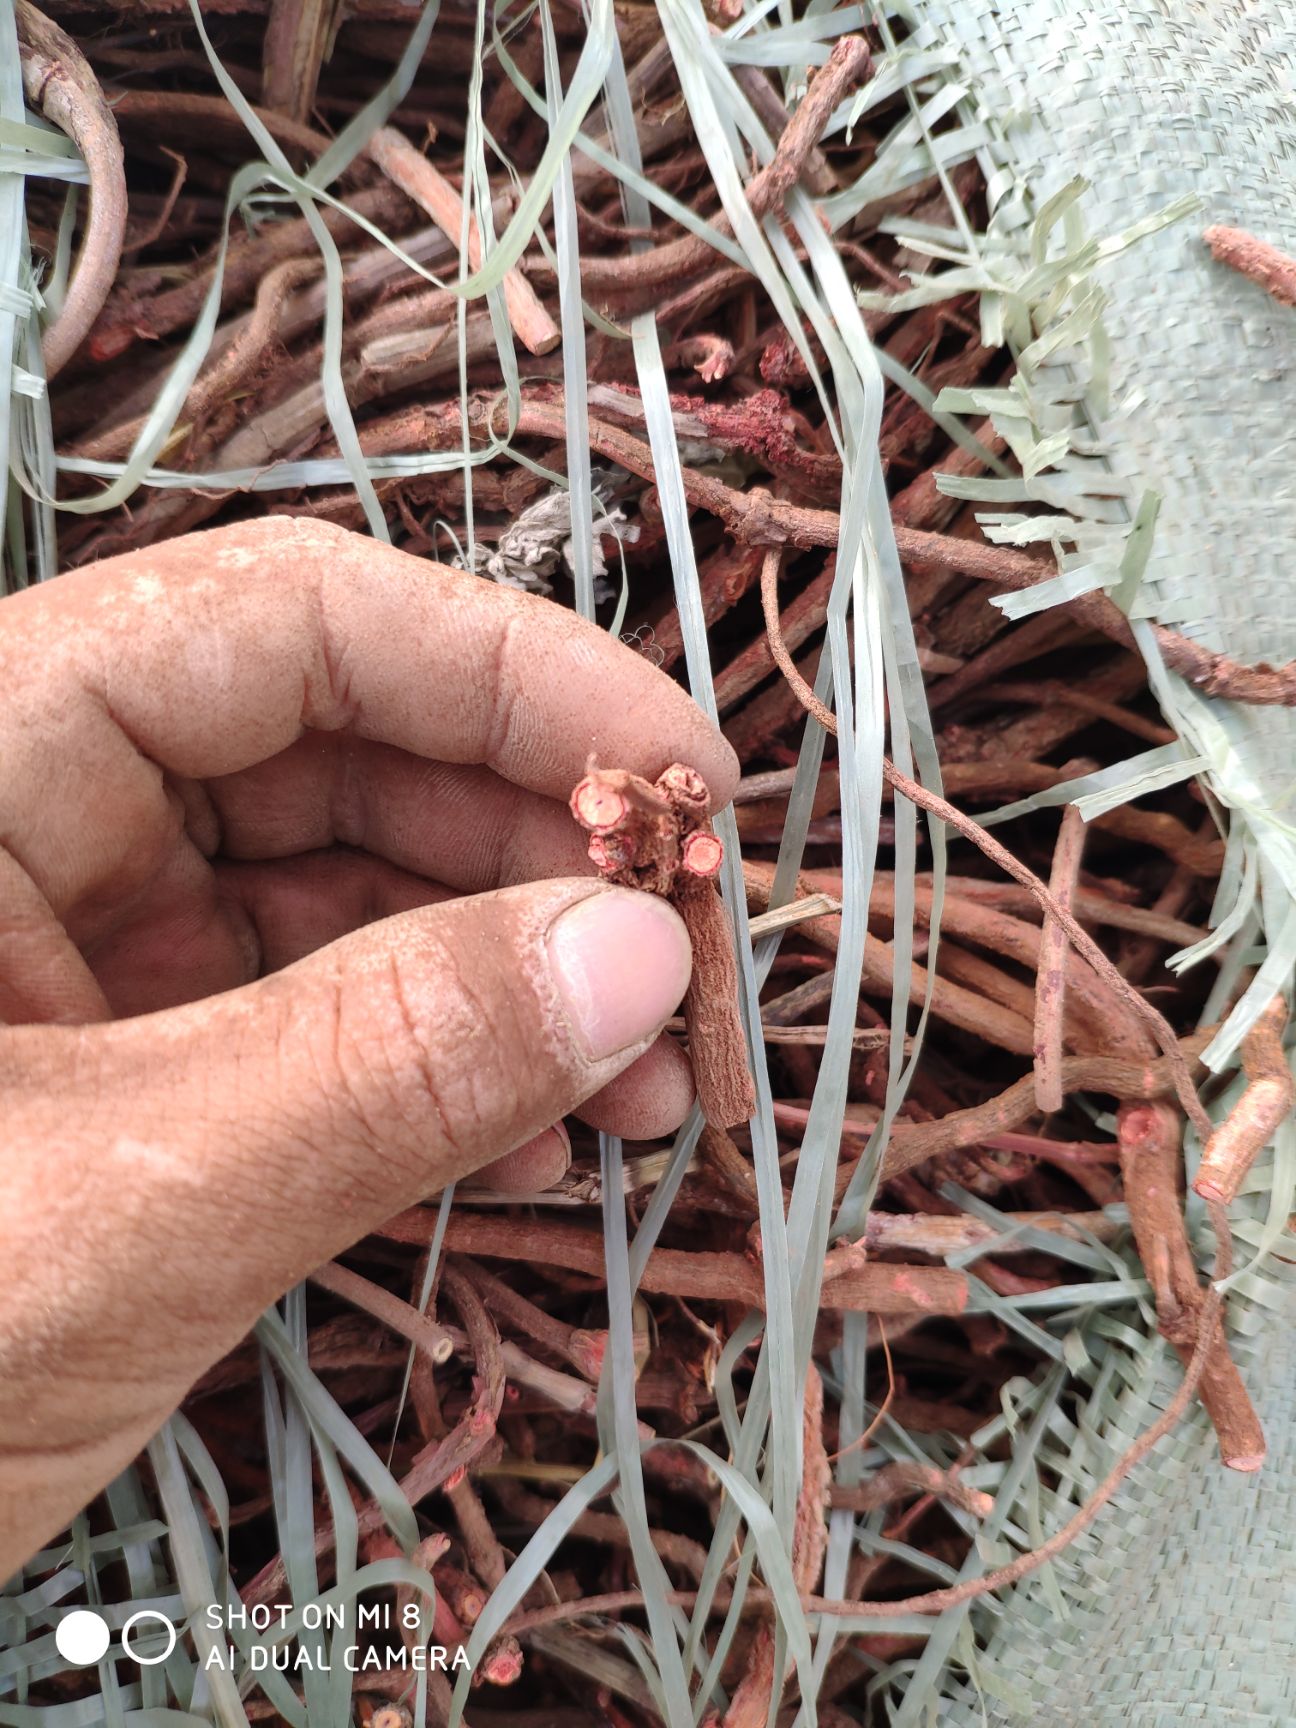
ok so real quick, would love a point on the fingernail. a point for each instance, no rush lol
(621, 961)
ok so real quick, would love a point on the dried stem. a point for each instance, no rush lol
(898, 1481)
(1255, 259)
(165, 113)
(583, 1349)
(297, 38)
(1149, 1140)
(967, 1009)
(431, 191)
(716, 1044)
(59, 82)
(1216, 675)
(440, 1340)
(373, 1299)
(218, 383)
(949, 1233)
(695, 1275)
(481, 1545)
(912, 1143)
(1252, 1122)
(1050, 980)
(719, 1151)
(137, 239)
(757, 1693)
(815, 172)
(657, 837)
(689, 255)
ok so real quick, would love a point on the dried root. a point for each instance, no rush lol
(1238, 1141)
(1256, 259)
(658, 838)
(58, 80)
(1148, 1136)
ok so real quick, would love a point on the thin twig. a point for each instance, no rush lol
(882, 1409)
(894, 1481)
(968, 1009)
(1050, 980)
(912, 1143)
(766, 190)
(372, 1299)
(583, 1349)
(136, 242)
(431, 191)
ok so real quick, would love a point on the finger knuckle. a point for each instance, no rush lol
(441, 1043)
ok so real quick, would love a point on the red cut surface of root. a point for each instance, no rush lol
(703, 854)
(658, 837)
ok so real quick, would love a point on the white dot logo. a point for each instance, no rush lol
(139, 1619)
(81, 1637)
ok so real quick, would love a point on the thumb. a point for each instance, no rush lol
(174, 1174)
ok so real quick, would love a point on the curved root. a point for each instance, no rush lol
(58, 81)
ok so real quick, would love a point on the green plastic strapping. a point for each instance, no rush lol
(1150, 415)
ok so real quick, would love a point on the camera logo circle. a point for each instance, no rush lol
(82, 1637)
(138, 1619)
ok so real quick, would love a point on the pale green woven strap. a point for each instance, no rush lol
(1181, 1600)
(1150, 103)
(1179, 1605)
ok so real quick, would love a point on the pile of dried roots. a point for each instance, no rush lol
(1057, 1053)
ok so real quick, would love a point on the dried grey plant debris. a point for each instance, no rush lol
(533, 548)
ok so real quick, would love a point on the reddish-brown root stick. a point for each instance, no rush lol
(431, 191)
(716, 1044)
(59, 82)
(1148, 1136)
(1249, 1126)
(1256, 259)
(657, 837)
(1051, 978)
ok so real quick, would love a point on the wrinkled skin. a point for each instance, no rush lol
(295, 928)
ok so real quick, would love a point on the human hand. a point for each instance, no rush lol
(221, 760)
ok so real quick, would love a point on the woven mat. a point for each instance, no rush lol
(1148, 101)
(1179, 1606)
(1181, 1599)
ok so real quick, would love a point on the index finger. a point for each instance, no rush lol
(215, 651)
